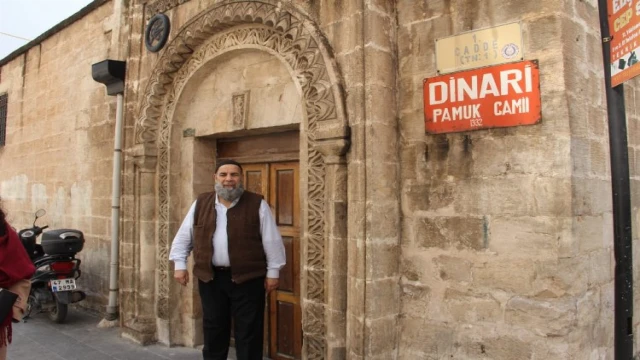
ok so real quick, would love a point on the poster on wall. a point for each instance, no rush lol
(490, 97)
(624, 27)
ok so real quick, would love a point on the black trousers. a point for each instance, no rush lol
(223, 299)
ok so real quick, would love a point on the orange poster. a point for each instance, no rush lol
(489, 97)
(624, 28)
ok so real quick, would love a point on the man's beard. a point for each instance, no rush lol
(229, 194)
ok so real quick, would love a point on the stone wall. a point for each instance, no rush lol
(362, 36)
(507, 233)
(59, 148)
(485, 244)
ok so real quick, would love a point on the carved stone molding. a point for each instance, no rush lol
(273, 27)
(333, 150)
(161, 6)
(144, 156)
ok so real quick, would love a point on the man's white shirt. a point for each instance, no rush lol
(271, 239)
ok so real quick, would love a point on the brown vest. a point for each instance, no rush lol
(246, 253)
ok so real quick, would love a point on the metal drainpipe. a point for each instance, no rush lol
(112, 74)
(112, 307)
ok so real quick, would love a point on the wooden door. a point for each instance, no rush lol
(279, 184)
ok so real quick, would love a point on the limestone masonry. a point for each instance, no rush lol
(487, 244)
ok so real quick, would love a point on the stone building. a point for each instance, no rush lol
(488, 244)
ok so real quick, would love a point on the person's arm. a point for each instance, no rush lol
(182, 242)
(271, 242)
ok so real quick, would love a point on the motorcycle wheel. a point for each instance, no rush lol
(30, 305)
(59, 312)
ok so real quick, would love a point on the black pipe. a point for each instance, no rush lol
(623, 317)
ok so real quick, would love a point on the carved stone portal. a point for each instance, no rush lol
(280, 30)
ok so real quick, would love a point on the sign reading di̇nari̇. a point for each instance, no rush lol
(624, 27)
(489, 97)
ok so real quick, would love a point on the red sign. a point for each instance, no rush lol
(489, 97)
(624, 28)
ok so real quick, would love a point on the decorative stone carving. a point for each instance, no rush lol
(144, 156)
(240, 109)
(258, 25)
(161, 6)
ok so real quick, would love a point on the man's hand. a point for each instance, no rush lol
(271, 284)
(181, 276)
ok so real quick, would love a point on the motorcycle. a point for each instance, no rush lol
(53, 285)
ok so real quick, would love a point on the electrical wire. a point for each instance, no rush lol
(14, 36)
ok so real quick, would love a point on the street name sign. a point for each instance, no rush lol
(479, 48)
(490, 97)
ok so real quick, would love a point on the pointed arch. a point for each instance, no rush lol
(287, 34)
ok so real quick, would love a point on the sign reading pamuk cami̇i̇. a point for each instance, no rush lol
(495, 96)
(624, 27)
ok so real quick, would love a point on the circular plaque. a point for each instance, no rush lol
(157, 32)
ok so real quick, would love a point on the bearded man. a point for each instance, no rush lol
(238, 253)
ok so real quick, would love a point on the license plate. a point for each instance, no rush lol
(63, 285)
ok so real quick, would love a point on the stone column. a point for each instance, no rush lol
(142, 328)
(380, 289)
(335, 244)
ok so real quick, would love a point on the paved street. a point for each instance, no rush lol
(80, 339)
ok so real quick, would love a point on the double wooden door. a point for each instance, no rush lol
(278, 183)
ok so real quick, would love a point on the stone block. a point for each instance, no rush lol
(599, 154)
(568, 275)
(424, 197)
(509, 275)
(588, 307)
(99, 226)
(471, 308)
(382, 150)
(529, 237)
(590, 196)
(356, 299)
(415, 300)
(522, 195)
(590, 232)
(635, 195)
(387, 298)
(432, 339)
(588, 11)
(450, 232)
(408, 159)
(575, 46)
(419, 41)
(600, 267)
(355, 336)
(547, 30)
(453, 268)
(411, 129)
(410, 11)
(557, 317)
(594, 56)
(496, 347)
(381, 336)
(353, 74)
(331, 11)
(578, 113)
(382, 259)
(416, 266)
(495, 156)
(383, 222)
(411, 98)
(380, 31)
